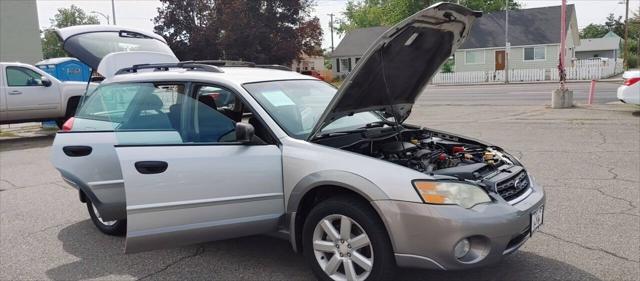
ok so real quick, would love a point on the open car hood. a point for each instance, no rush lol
(93, 44)
(395, 69)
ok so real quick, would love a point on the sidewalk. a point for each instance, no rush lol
(25, 130)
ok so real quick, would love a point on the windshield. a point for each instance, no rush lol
(296, 105)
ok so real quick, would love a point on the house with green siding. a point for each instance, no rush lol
(534, 37)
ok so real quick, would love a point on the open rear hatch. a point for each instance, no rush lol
(396, 68)
(109, 48)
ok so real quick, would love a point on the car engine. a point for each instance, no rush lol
(442, 155)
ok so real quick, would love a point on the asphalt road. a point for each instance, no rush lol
(587, 158)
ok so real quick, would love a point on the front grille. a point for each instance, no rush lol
(514, 186)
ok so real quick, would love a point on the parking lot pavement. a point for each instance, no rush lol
(588, 160)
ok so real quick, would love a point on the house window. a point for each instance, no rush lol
(474, 57)
(345, 64)
(338, 65)
(535, 53)
(357, 59)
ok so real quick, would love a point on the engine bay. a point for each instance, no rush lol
(439, 154)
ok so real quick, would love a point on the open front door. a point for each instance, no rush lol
(186, 178)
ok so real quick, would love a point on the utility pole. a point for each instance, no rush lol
(626, 36)
(113, 11)
(331, 27)
(562, 97)
(506, 43)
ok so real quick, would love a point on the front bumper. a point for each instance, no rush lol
(629, 94)
(424, 235)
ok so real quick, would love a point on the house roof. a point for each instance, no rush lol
(357, 41)
(534, 26)
(598, 44)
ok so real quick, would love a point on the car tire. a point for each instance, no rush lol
(115, 228)
(322, 252)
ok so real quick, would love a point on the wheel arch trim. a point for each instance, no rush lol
(330, 178)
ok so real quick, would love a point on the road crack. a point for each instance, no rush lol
(199, 251)
(589, 247)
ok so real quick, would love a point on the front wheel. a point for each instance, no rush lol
(114, 227)
(343, 239)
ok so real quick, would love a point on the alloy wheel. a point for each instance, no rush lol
(342, 248)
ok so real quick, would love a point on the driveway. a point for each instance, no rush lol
(587, 159)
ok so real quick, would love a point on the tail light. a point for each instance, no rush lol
(631, 81)
(68, 125)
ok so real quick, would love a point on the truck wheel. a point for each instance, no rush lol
(60, 122)
(343, 239)
(115, 227)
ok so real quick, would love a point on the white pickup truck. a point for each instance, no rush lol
(28, 94)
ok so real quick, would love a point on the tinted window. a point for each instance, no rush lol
(213, 115)
(138, 106)
(20, 77)
(160, 113)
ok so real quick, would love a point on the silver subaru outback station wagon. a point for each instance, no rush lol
(174, 153)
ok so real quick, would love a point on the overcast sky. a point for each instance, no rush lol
(138, 13)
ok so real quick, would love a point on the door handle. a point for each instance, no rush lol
(151, 167)
(15, 93)
(77, 150)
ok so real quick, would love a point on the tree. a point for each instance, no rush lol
(615, 24)
(71, 16)
(368, 13)
(594, 31)
(262, 31)
(190, 27)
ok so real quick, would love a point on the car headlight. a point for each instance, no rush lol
(451, 193)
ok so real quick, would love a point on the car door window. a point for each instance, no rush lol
(214, 114)
(22, 77)
(129, 108)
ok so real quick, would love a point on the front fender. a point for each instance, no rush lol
(344, 179)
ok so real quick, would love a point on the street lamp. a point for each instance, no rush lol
(99, 13)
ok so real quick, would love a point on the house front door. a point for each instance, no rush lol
(500, 60)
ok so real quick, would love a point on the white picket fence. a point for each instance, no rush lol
(578, 70)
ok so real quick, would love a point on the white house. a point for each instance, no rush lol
(606, 47)
(534, 36)
(352, 47)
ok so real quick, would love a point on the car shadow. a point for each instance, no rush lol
(256, 257)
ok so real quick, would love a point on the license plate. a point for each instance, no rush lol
(536, 219)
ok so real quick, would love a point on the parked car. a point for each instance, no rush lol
(312, 73)
(336, 172)
(629, 92)
(28, 94)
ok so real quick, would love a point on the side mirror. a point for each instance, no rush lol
(244, 132)
(45, 81)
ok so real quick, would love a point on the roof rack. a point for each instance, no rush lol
(166, 66)
(232, 63)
